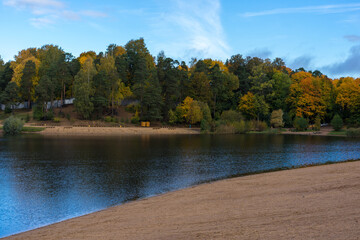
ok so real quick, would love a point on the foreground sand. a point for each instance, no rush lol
(310, 203)
(115, 131)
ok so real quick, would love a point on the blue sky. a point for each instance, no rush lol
(322, 35)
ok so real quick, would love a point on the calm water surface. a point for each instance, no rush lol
(47, 179)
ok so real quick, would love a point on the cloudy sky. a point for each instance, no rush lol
(322, 35)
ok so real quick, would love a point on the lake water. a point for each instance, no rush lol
(48, 179)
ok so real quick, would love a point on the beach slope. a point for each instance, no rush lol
(320, 202)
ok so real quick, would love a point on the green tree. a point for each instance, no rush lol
(152, 101)
(337, 122)
(83, 89)
(301, 124)
(10, 96)
(168, 75)
(26, 84)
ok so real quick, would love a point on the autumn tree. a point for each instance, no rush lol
(253, 106)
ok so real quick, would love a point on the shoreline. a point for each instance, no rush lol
(321, 202)
(115, 131)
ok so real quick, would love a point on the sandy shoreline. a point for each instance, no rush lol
(320, 202)
(115, 131)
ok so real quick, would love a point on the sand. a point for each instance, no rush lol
(115, 131)
(320, 202)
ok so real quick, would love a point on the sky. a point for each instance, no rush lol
(317, 35)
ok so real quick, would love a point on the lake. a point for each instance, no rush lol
(45, 179)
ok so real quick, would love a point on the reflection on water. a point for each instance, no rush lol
(47, 179)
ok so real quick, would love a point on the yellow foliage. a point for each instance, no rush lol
(18, 68)
(211, 63)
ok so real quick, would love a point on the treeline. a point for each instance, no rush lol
(164, 89)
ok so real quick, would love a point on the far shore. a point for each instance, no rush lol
(116, 131)
(321, 202)
(134, 130)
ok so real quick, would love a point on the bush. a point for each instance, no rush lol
(353, 132)
(12, 126)
(301, 124)
(27, 119)
(205, 126)
(225, 129)
(68, 116)
(240, 127)
(135, 119)
(231, 116)
(251, 125)
(317, 124)
(276, 119)
(108, 119)
(337, 123)
(38, 112)
(57, 120)
(261, 126)
(49, 115)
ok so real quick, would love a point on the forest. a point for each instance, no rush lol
(165, 90)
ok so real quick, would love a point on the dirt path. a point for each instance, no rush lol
(311, 203)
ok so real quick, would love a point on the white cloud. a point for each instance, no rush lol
(195, 27)
(49, 12)
(41, 22)
(94, 14)
(323, 9)
(352, 38)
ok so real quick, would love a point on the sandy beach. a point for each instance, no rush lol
(115, 131)
(320, 202)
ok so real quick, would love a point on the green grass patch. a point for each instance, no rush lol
(33, 129)
(338, 133)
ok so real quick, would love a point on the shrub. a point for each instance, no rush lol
(57, 120)
(231, 116)
(68, 116)
(107, 119)
(38, 112)
(301, 124)
(353, 132)
(261, 126)
(240, 127)
(27, 119)
(12, 126)
(276, 119)
(204, 126)
(251, 125)
(337, 122)
(225, 129)
(49, 115)
(317, 124)
(135, 119)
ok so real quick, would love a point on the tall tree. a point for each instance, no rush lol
(26, 84)
(83, 89)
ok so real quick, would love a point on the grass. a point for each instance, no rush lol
(33, 129)
(30, 129)
(269, 131)
(338, 133)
